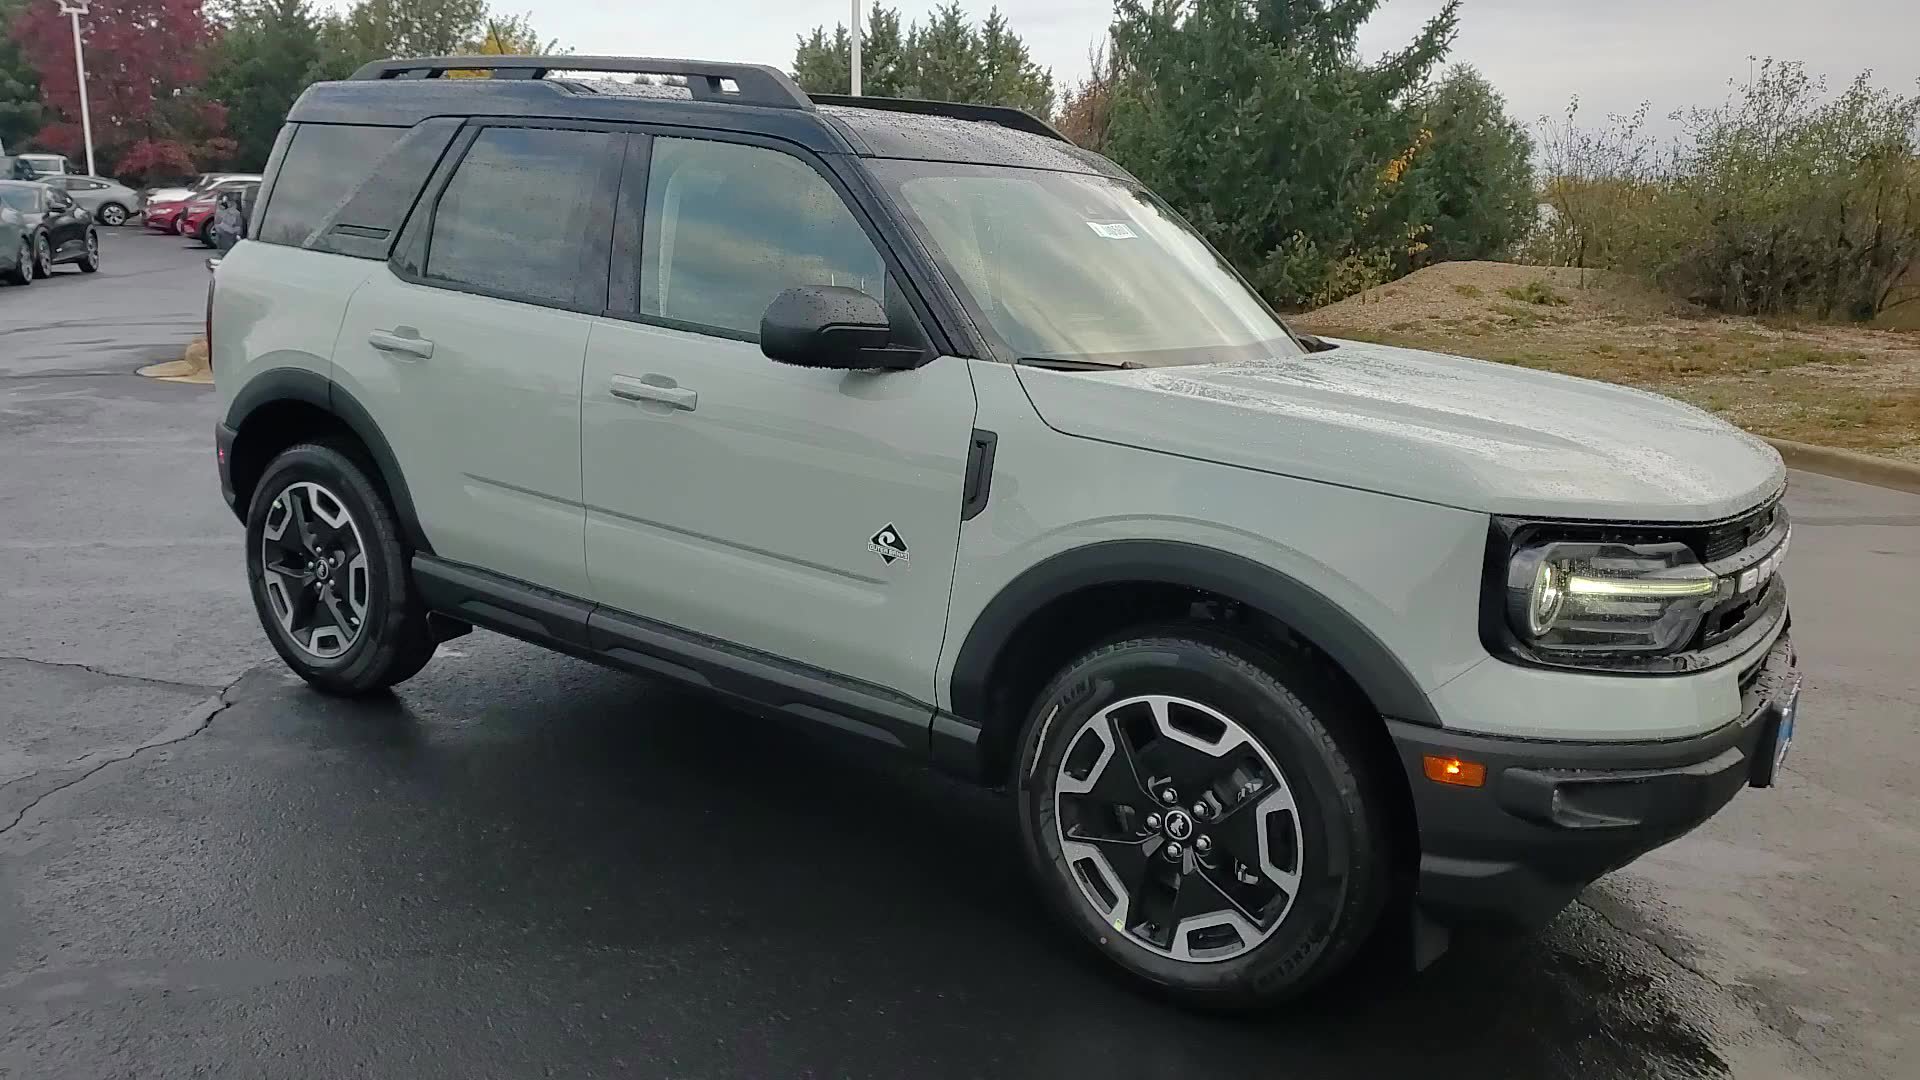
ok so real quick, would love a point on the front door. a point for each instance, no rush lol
(66, 224)
(808, 514)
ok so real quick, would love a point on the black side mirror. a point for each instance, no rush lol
(831, 326)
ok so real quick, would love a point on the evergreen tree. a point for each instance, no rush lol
(1259, 121)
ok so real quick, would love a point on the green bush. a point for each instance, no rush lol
(1783, 201)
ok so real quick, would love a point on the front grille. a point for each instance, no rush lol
(1716, 542)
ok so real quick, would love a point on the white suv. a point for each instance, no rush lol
(917, 422)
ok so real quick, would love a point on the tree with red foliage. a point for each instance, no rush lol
(144, 68)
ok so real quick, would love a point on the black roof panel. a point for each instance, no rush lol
(406, 102)
(874, 132)
(885, 133)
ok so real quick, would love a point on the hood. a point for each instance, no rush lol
(1441, 429)
(168, 194)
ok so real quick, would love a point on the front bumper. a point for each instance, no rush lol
(1553, 816)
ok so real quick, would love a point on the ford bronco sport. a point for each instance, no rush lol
(915, 421)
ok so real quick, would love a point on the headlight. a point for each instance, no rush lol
(1575, 598)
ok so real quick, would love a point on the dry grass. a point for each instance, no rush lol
(1839, 386)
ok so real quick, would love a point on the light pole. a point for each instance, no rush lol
(73, 9)
(856, 47)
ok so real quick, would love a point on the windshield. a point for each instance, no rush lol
(25, 200)
(1089, 269)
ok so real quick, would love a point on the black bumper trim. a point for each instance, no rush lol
(1553, 816)
(223, 438)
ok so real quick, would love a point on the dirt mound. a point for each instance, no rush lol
(1477, 290)
(1835, 385)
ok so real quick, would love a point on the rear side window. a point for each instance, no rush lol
(729, 227)
(322, 167)
(512, 217)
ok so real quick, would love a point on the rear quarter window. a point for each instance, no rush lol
(324, 165)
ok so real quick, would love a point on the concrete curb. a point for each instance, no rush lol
(1847, 465)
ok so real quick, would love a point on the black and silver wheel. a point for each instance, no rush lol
(1194, 808)
(43, 256)
(20, 272)
(314, 569)
(329, 575)
(113, 214)
(90, 262)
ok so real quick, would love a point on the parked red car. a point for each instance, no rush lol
(164, 216)
(195, 218)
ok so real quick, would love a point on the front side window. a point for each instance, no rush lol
(730, 227)
(1082, 268)
(512, 217)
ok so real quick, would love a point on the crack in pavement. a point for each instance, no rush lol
(90, 669)
(193, 723)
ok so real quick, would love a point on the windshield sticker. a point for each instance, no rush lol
(1113, 230)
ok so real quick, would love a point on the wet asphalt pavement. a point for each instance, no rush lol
(522, 865)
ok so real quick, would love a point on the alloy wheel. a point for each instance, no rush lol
(314, 570)
(113, 215)
(44, 251)
(23, 263)
(93, 248)
(1179, 828)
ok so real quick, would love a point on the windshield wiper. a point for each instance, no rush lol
(1054, 363)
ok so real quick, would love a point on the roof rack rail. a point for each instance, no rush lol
(1003, 115)
(742, 84)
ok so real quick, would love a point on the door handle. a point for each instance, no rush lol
(401, 339)
(630, 389)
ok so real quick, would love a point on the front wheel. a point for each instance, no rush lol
(43, 256)
(329, 574)
(1202, 815)
(90, 262)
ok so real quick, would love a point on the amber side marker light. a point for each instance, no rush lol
(1451, 770)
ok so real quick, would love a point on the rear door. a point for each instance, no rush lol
(467, 346)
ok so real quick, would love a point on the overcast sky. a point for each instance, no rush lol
(1613, 53)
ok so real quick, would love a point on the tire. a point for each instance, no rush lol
(1256, 748)
(379, 634)
(204, 234)
(43, 256)
(20, 270)
(113, 214)
(90, 262)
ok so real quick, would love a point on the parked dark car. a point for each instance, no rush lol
(62, 231)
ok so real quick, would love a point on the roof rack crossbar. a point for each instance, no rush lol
(1002, 115)
(742, 84)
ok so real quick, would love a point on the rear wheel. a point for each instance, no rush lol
(329, 573)
(1202, 815)
(113, 214)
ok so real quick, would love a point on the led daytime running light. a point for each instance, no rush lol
(1588, 586)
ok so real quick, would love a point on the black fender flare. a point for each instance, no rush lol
(1380, 675)
(312, 388)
